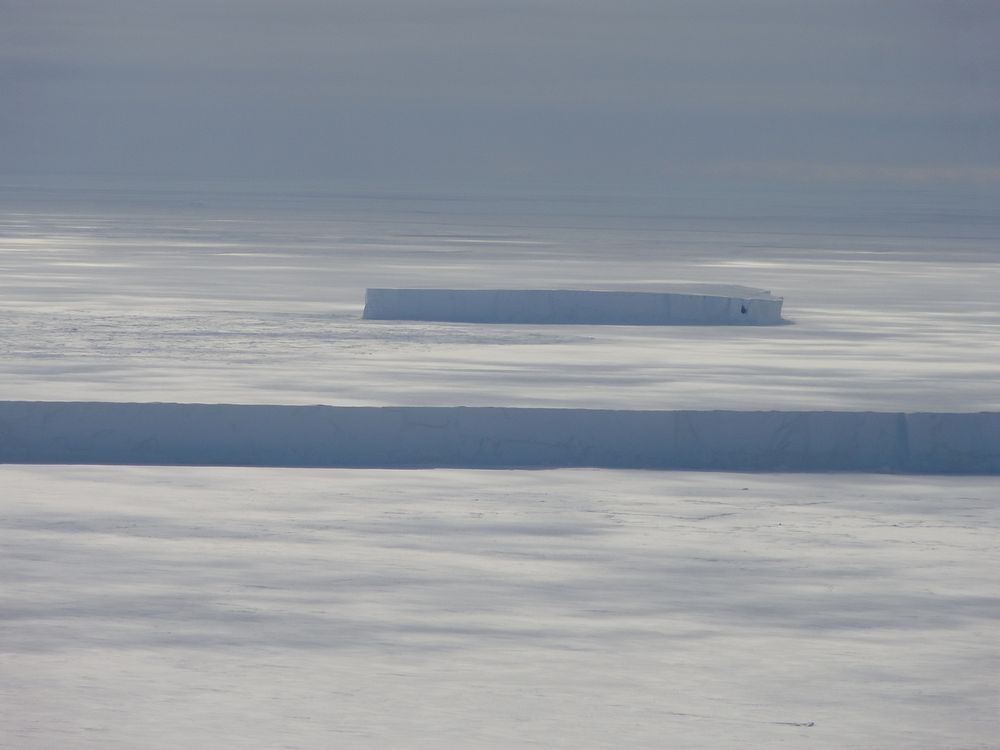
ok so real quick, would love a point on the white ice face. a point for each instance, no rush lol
(678, 305)
(490, 437)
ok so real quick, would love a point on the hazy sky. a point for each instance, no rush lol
(623, 92)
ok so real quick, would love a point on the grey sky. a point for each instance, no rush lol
(629, 92)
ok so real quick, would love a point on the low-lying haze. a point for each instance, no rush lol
(564, 94)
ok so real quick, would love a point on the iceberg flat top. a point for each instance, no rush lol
(693, 288)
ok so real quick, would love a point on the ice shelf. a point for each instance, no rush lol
(278, 435)
(686, 304)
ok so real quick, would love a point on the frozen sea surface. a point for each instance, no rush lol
(264, 608)
(170, 296)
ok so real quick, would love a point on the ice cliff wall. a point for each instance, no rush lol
(261, 435)
(700, 306)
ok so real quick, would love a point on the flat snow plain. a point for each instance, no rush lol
(263, 608)
(259, 608)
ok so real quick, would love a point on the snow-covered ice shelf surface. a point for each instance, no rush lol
(694, 304)
(250, 609)
(273, 435)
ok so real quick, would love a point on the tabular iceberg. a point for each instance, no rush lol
(688, 304)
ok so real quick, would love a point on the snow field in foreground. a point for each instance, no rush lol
(261, 608)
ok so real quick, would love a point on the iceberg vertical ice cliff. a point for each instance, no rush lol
(691, 304)
(270, 435)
